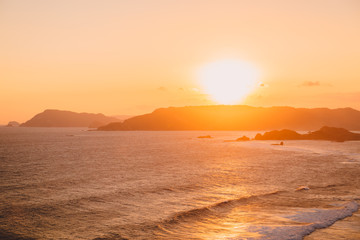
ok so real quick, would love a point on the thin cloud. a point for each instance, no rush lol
(314, 84)
(310, 84)
(195, 90)
(162, 89)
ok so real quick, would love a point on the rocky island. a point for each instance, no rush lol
(324, 133)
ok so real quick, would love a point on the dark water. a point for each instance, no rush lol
(75, 184)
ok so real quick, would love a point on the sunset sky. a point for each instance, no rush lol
(133, 56)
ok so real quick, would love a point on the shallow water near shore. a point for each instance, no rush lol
(69, 183)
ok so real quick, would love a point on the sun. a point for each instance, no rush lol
(228, 81)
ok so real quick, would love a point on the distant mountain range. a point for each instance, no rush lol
(239, 117)
(59, 118)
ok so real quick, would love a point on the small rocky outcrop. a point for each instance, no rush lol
(243, 139)
(13, 124)
(206, 136)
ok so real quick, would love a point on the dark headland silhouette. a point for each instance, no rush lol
(324, 133)
(59, 118)
(239, 117)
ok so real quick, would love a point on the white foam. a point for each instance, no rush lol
(305, 222)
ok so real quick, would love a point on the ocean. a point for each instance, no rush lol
(70, 183)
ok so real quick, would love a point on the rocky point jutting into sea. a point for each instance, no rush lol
(324, 133)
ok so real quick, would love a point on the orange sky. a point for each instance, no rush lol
(130, 57)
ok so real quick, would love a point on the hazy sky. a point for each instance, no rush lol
(132, 56)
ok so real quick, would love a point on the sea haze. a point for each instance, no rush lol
(69, 183)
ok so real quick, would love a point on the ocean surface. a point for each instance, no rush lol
(70, 183)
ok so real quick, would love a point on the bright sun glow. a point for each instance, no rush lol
(228, 81)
